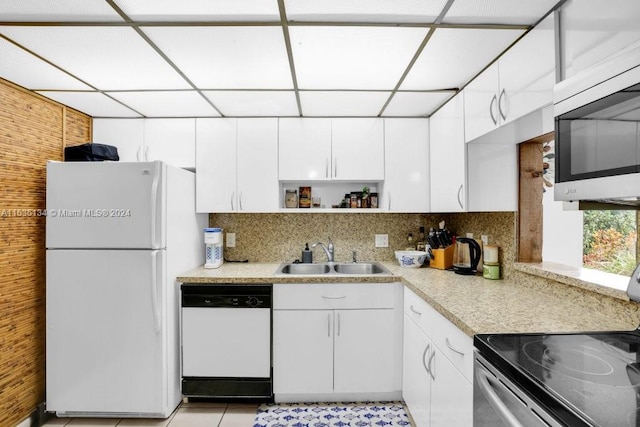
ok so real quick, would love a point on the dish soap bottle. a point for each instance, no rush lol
(307, 255)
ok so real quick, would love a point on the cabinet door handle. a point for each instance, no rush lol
(232, 196)
(493, 118)
(328, 325)
(338, 324)
(460, 200)
(389, 198)
(326, 167)
(424, 356)
(414, 310)
(341, 297)
(503, 115)
(240, 202)
(432, 359)
(335, 167)
(146, 154)
(452, 348)
(138, 154)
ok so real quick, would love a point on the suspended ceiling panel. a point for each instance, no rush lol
(200, 10)
(57, 10)
(227, 57)
(92, 103)
(108, 58)
(454, 56)
(254, 103)
(353, 57)
(415, 104)
(167, 103)
(342, 103)
(512, 12)
(26, 70)
(398, 11)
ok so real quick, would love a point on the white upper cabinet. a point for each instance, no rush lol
(357, 149)
(492, 177)
(127, 135)
(406, 158)
(304, 149)
(447, 157)
(171, 140)
(257, 172)
(520, 82)
(331, 149)
(216, 165)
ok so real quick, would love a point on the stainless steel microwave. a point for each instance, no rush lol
(597, 133)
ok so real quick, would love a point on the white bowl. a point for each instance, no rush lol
(411, 259)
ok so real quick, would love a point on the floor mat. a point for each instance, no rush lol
(359, 414)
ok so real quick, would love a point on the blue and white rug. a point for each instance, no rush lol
(369, 414)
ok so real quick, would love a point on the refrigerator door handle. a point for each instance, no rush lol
(154, 291)
(154, 202)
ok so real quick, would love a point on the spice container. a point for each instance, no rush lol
(373, 200)
(354, 200)
(305, 197)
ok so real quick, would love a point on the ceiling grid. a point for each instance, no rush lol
(257, 58)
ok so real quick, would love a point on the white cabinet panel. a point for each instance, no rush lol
(216, 165)
(447, 157)
(357, 149)
(171, 140)
(406, 158)
(304, 149)
(451, 395)
(359, 334)
(416, 382)
(302, 351)
(481, 113)
(493, 177)
(257, 173)
(125, 134)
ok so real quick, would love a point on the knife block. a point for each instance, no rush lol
(442, 258)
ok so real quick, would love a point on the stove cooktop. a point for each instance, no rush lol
(593, 377)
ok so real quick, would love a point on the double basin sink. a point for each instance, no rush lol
(333, 268)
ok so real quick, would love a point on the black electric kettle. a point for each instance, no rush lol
(466, 256)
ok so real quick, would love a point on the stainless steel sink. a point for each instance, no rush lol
(305, 269)
(360, 268)
(335, 269)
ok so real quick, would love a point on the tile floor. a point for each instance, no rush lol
(187, 415)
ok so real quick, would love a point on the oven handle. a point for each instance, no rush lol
(485, 381)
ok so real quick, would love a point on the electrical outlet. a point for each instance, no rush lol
(382, 240)
(470, 235)
(485, 239)
(231, 240)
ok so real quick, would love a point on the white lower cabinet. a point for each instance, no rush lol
(437, 380)
(337, 341)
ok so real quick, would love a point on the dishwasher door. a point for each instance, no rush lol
(226, 341)
(497, 402)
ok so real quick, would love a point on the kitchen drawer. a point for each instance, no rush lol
(329, 296)
(419, 311)
(453, 343)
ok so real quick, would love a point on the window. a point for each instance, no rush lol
(609, 241)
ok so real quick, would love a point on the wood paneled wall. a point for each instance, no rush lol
(33, 130)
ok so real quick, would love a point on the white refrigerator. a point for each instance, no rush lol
(117, 235)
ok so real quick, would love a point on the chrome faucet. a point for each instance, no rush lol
(328, 250)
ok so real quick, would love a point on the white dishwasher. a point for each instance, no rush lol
(226, 341)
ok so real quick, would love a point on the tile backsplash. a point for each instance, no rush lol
(279, 237)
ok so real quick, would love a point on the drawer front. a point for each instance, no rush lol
(419, 311)
(329, 296)
(453, 343)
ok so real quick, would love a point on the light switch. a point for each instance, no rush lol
(382, 240)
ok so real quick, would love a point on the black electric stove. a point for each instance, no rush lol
(586, 379)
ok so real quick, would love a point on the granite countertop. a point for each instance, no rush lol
(474, 304)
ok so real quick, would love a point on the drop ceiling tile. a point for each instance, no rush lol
(518, 12)
(398, 11)
(26, 70)
(342, 103)
(227, 57)
(415, 104)
(200, 10)
(353, 57)
(94, 104)
(58, 10)
(254, 103)
(167, 103)
(108, 58)
(454, 56)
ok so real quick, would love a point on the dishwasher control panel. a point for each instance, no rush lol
(236, 296)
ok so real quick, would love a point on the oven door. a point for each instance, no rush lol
(497, 402)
